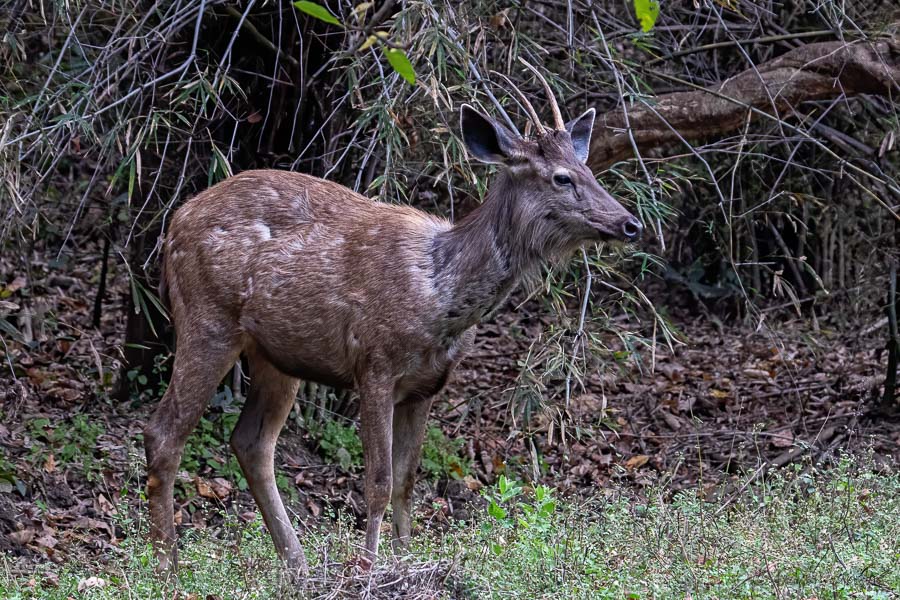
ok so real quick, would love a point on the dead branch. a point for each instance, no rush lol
(811, 72)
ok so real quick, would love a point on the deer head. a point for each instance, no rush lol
(559, 203)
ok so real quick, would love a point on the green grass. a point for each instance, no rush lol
(833, 534)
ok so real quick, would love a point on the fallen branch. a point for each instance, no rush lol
(811, 72)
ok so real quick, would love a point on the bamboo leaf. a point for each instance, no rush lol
(318, 11)
(368, 43)
(647, 11)
(400, 63)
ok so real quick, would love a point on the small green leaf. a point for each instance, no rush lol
(318, 11)
(496, 511)
(400, 63)
(647, 12)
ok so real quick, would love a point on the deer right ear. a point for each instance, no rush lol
(485, 139)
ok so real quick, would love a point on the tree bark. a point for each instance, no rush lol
(812, 72)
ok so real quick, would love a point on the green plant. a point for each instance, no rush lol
(207, 450)
(395, 55)
(9, 479)
(138, 381)
(202, 450)
(509, 510)
(72, 442)
(441, 455)
(340, 444)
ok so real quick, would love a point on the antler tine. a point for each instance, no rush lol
(524, 99)
(557, 115)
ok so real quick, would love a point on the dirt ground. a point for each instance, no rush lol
(738, 398)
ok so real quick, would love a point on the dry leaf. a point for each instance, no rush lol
(204, 489)
(499, 19)
(756, 373)
(105, 506)
(472, 483)
(91, 583)
(783, 440)
(17, 284)
(50, 463)
(46, 541)
(636, 462)
(22, 537)
(221, 487)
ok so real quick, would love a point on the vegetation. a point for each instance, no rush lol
(712, 413)
(798, 534)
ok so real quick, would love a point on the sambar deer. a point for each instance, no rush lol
(313, 281)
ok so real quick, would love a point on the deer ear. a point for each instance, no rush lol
(580, 131)
(486, 139)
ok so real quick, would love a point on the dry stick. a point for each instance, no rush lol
(789, 259)
(579, 335)
(616, 151)
(890, 380)
(253, 31)
(62, 52)
(620, 87)
(227, 54)
(179, 70)
(735, 42)
(782, 459)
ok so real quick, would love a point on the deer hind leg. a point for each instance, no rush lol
(269, 402)
(410, 419)
(201, 361)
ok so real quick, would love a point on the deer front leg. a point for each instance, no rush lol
(376, 407)
(410, 419)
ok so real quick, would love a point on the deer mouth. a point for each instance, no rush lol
(625, 230)
(604, 233)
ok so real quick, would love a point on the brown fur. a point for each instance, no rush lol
(311, 280)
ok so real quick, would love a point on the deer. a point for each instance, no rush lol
(310, 280)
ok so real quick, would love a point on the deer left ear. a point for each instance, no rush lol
(486, 139)
(580, 131)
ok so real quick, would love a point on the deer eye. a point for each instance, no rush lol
(562, 179)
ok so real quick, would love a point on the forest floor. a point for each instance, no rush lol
(738, 400)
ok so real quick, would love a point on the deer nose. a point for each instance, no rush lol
(632, 229)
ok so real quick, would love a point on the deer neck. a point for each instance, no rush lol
(479, 261)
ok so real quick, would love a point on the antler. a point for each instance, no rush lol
(557, 115)
(524, 99)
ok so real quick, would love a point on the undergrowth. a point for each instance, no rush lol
(816, 534)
